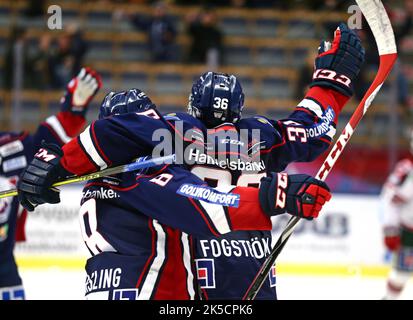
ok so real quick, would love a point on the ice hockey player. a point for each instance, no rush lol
(132, 223)
(397, 208)
(215, 105)
(302, 137)
(16, 151)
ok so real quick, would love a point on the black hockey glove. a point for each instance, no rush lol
(298, 194)
(339, 63)
(34, 186)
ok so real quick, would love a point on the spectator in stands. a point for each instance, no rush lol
(66, 59)
(161, 32)
(17, 51)
(41, 62)
(35, 8)
(305, 72)
(401, 30)
(206, 38)
(78, 47)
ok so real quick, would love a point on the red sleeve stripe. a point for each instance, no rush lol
(249, 215)
(73, 124)
(76, 160)
(328, 97)
(58, 129)
(85, 140)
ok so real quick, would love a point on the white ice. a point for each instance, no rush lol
(61, 284)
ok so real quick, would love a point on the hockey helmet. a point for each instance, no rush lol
(216, 98)
(133, 100)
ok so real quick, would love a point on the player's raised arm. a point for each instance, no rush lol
(106, 142)
(309, 130)
(116, 140)
(71, 119)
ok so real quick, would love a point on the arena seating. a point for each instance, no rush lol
(265, 48)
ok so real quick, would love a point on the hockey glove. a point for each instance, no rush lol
(80, 91)
(392, 238)
(339, 63)
(35, 182)
(298, 194)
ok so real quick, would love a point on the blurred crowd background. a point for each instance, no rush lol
(162, 46)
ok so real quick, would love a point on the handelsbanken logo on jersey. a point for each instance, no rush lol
(205, 273)
(209, 195)
(102, 193)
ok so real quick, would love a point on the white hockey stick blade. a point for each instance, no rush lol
(380, 25)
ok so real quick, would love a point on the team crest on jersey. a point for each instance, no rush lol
(272, 276)
(12, 293)
(125, 294)
(209, 195)
(206, 273)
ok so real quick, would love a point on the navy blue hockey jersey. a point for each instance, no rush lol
(227, 258)
(16, 151)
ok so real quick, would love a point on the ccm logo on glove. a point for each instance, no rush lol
(281, 190)
(332, 75)
(44, 155)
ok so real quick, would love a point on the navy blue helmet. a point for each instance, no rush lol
(216, 98)
(133, 100)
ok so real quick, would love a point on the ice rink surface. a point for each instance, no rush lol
(59, 284)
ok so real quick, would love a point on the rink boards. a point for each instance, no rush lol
(345, 240)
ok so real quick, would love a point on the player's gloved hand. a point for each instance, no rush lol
(339, 63)
(34, 186)
(392, 238)
(298, 194)
(80, 91)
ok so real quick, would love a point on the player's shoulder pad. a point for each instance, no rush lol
(256, 122)
(186, 118)
(267, 129)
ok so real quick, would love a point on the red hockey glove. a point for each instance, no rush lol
(80, 91)
(392, 238)
(298, 194)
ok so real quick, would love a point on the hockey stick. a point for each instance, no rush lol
(380, 25)
(140, 163)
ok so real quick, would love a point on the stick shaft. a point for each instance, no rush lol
(141, 163)
(380, 24)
